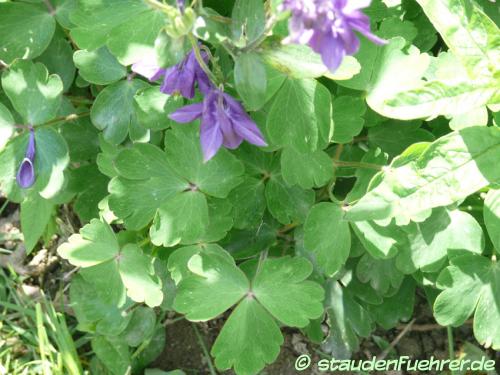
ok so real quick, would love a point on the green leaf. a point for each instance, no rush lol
(300, 61)
(407, 192)
(99, 66)
(180, 219)
(492, 217)
(95, 244)
(382, 274)
(364, 175)
(216, 284)
(396, 308)
(250, 78)
(113, 109)
(50, 162)
(249, 202)
(220, 220)
(300, 116)
(249, 340)
(137, 273)
(145, 181)
(91, 186)
(381, 242)
(34, 93)
(471, 283)
(217, 177)
(130, 44)
(394, 137)
(82, 139)
(25, 30)
(440, 98)
(473, 38)
(178, 260)
(98, 24)
(152, 108)
(328, 236)
(347, 320)
(106, 287)
(306, 170)
(96, 309)
(287, 203)
(347, 118)
(281, 287)
(113, 352)
(394, 26)
(248, 19)
(432, 240)
(6, 125)
(58, 59)
(35, 216)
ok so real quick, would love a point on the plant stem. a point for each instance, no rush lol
(168, 9)
(4, 205)
(204, 349)
(70, 117)
(199, 58)
(356, 164)
(50, 7)
(258, 41)
(451, 349)
(144, 242)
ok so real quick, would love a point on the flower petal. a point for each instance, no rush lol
(332, 53)
(187, 113)
(210, 138)
(249, 131)
(26, 174)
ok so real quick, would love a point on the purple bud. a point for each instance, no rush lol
(26, 173)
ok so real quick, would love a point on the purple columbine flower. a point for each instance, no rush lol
(180, 78)
(224, 122)
(328, 26)
(26, 173)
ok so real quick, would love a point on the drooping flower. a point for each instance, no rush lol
(328, 27)
(180, 78)
(26, 173)
(224, 122)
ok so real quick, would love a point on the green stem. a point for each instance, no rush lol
(258, 41)
(70, 117)
(262, 259)
(4, 205)
(451, 349)
(168, 9)
(356, 164)
(204, 349)
(199, 58)
(144, 242)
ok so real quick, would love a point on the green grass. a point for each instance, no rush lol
(34, 337)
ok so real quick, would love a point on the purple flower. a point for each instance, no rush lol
(328, 26)
(180, 78)
(26, 173)
(224, 122)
